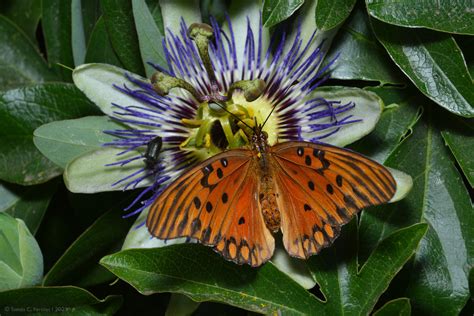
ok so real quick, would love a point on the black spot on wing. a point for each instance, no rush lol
(219, 172)
(197, 202)
(208, 206)
(225, 198)
(300, 151)
(224, 162)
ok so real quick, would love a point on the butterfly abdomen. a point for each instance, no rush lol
(268, 203)
(271, 213)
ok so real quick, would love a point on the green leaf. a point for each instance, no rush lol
(368, 107)
(21, 261)
(459, 137)
(20, 61)
(81, 259)
(399, 116)
(433, 62)
(24, 13)
(436, 280)
(397, 307)
(359, 55)
(26, 203)
(88, 173)
(78, 37)
(56, 300)
(21, 111)
(120, 26)
(155, 10)
(56, 23)
(99, 49)
(181, 305)
(330, 14)
(201, 274)
(275, 11)
(355, 291)
(149, 37)
(449, 16)
(63, 141)
(90, 15)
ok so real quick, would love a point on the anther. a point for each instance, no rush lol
(201, 33)
(163, 83)
(252, 89)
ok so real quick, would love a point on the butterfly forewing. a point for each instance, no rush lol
(214, 203)
(320, 188)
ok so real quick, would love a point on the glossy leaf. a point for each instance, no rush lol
(68, 300)
(63, 141)
(99, 49)
(359, 55)
(56, 23)
(20, 61)
(78, 37)
(203, 275)
(28, 204)
(353, 289)
(196, 271)
(459, 136)
(149, 37)
(399, 116)
(21, 111)
(81, 259)
(24, 13)
(120, 26)
(330, 13)
(436, 280)
(21, 261)
(275, 11)
(448, 16)
(397, 307)
(433, 62)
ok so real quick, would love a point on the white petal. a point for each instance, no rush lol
(89, 174)
(294, 268)
(368, 108)
(173, 10)
(404, 184)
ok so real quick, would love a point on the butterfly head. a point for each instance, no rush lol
(259, 139)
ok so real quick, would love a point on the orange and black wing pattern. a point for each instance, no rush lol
(216, 204)
(320, 188)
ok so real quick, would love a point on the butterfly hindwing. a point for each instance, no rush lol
(321, 187)
(215, 204)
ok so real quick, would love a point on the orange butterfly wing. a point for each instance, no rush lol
(216, 204)
(320, 188)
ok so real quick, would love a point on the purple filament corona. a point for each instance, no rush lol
(291, 69)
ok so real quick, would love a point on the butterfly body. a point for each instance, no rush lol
(236, 200)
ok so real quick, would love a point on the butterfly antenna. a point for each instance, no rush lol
(268, 116)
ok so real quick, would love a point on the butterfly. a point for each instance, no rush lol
(236, 200)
